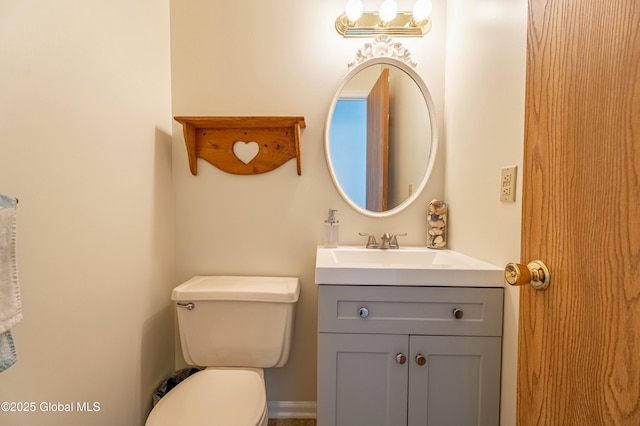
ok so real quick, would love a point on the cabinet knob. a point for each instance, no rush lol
(401, 358)
(420, 359)
(458, 313)
(363, 312)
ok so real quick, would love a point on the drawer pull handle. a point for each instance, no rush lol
(458, 313)
(420, 359)
(401, 358)
(363, 312)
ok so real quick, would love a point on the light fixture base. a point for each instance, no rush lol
(370, 24)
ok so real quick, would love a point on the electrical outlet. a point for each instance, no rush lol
(508, 184)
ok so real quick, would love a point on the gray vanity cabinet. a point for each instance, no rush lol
(359, 381)
(416, 356)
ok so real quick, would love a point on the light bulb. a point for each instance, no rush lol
(353, 10)
(388, 10)
(421, 10)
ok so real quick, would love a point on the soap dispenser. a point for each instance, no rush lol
(331, 230)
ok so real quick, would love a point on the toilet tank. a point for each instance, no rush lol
(227, 321)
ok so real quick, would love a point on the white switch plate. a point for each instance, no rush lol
(508, 184)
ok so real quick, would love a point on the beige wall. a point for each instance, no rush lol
(486, 46)
(287, 60)
(232, 224)
(84, 144)
(85, 117)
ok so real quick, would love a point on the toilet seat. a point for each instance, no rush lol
(214, 397)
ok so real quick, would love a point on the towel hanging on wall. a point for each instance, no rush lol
(10, 303)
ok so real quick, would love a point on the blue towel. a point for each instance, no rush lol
(7, 351)
(10, 303)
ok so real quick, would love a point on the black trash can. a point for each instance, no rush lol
(172, 381)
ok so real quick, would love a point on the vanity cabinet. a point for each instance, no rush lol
(416, 356)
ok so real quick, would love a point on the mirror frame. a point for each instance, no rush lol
(404, 66)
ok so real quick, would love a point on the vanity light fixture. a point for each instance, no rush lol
(388, 10)
(356, 22)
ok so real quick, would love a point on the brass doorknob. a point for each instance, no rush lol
(535, 273)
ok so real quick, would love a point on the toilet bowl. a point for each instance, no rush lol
(215, 396)
(235, 327)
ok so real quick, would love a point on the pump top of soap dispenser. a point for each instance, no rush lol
(332, 217)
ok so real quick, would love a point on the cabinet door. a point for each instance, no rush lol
(459, 385)
(360, 382)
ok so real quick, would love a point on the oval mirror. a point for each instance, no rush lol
(380, 136)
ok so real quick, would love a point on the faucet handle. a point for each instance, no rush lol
(371, 242)
(394, 240)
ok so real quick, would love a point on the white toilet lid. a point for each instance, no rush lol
(213, 397)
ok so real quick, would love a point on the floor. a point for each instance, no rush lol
(292, 422)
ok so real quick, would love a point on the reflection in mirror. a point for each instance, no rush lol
(380, 137)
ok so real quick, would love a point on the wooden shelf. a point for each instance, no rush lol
(242, 145)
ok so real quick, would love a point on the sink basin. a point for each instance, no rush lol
(417, 266)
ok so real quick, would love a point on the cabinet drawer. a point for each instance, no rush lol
(410, 310)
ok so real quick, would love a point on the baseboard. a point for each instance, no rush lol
(292, 409)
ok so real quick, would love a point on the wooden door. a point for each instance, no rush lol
(378, 144)
(579, 342)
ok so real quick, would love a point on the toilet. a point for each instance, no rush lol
(234, 327)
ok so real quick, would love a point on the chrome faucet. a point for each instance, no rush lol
(387, 241)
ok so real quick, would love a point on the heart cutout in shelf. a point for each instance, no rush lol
(245, 151)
